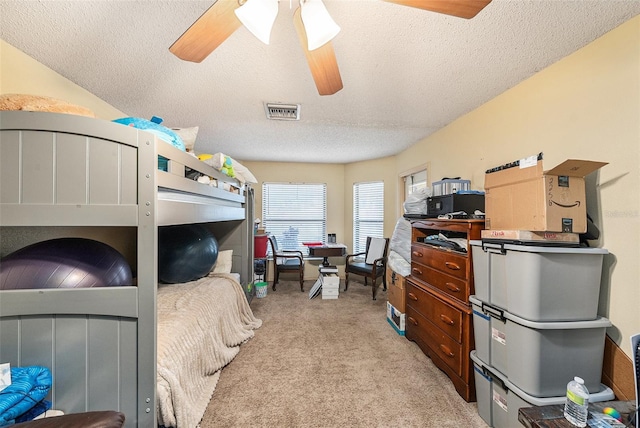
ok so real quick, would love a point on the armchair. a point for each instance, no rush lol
(286, 261)
(373, 266)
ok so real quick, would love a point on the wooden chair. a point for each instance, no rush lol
(286, 261)
(373, 266)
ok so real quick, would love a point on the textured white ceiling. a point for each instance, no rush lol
(406, 72)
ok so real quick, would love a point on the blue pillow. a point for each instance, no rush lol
(161, 131)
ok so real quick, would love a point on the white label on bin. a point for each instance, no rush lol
(498, 336)
(500, 401)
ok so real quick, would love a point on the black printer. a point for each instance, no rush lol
(455, 202)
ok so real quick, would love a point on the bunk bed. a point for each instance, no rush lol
(62, 174)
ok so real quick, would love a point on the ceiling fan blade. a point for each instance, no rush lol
(207, 32)
(460, 8)
(322, 61)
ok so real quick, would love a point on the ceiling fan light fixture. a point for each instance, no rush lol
(258, 17)
(318, 24)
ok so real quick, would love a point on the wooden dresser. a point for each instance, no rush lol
(438, 313)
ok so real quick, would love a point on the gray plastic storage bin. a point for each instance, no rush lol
(481, 329)
(539, 283)
(499, 399)
(540, 358)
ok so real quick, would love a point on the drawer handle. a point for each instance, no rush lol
(452, 266)
(452, 287)
(417, 253)
(445, 319)
(413, 321)
(446, 351)
(416, 270)
(413, 297)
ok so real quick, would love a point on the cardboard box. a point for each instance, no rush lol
(540, 238)
(526, 197)
(330, 293)
(330, 280)
(330, 285)
(395, 290)
(396, 319)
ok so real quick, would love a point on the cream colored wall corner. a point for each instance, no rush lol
(373, 170)
(586, 106)
(21, 74)
(285, 172)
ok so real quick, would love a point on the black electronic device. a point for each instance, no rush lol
(454, 203)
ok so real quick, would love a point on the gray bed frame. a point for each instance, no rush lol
(64, 175)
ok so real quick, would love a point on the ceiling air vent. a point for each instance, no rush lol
(282, 111)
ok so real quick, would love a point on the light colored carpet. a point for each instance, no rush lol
(332, 363)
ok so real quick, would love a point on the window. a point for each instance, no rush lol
(368, 213)
(414, 182)
(295, 213)
(410, 182)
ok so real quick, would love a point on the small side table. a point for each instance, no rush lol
(553, 416)
(326, 251)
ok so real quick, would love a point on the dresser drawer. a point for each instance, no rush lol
(444, 316)
(439, 343)
(452, 286)
(445, 261)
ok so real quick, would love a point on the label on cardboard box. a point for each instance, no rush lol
(527, 162)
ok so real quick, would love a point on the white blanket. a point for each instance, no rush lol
(201, 325)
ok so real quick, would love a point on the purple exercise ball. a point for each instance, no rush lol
(64, 263)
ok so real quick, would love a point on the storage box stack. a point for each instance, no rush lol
(330, 285)
(535, 326)
(536, 292)
(396, 303)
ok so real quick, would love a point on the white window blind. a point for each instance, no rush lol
(368, 213)
(295, 213)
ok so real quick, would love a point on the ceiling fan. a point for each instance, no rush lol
(313, 24)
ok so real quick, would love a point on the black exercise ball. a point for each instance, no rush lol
(185, 253)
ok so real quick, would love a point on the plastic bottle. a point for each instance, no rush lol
(576, 407)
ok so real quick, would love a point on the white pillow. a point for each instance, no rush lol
(243, 171)
(224, 262)
(188, 136)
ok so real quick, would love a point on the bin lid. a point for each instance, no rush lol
(599, 322)
(539, 248)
